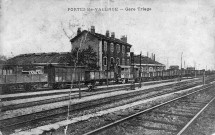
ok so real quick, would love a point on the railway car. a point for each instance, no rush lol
(28, 82)
(53, 76)
(156, 75)
(159, 75)
(60, 77)
(166, 74)
(125, 74)
(30, 78)
(98, 76)
(145, 76)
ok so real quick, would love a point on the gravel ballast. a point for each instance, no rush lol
(112, 110)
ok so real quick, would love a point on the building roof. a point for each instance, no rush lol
(146, 60)
(39, 58)
(173, 66)
(2, 62)
(100, 36)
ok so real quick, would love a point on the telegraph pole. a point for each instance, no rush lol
(184, 65)
(140, 68)
(167, 63)
(132, 69)
(203, 77)
(181, 59)
(181, 65)
(195, 68)
(107, 73)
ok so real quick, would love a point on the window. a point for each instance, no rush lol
(123, 49)
(112, 60)
(128, 62)
(105, 61)
(150, 69)
(111, 47)
(123, 61)
(128, 49)
(118, 61)
(105, 46)
(118, 48)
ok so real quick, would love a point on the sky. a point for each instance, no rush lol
(170, 28)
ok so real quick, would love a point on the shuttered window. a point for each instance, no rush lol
(105, 46)
(123, 49)
(105, 61)
(112, 47)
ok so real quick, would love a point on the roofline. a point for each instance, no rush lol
(72, 40)
(50, 63)
(149, 64)
(126, 66)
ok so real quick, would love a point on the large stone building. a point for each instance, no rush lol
(111, 52)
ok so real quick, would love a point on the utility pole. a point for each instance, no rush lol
(181, 65)
(181, 59)
(203, 77)
(132, 69)
(79, 86)
(167, 62)
(184, 65)
(107, 73)
(195, 68)
(140, 68)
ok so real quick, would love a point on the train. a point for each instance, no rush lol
(31, 78)
(15, 78)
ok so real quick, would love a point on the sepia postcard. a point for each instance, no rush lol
(80, 66)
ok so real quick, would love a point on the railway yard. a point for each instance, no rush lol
(100, 73)
(158, 107)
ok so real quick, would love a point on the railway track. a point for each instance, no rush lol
(61, 97)
(168, 118)
(33, 94)
(83, 87)
(37, 117)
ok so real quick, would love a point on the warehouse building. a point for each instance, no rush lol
(34, 62)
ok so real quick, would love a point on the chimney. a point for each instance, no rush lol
(147, 54)
(107, 33)
(154, 57)
(124, 38)
(78, 31)
(92, 29)
(113, 34)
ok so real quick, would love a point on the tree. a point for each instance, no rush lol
(85, 57)
(3, 59)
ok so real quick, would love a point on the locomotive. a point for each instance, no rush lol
(15, 78)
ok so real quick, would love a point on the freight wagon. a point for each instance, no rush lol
(99, 76)
(60, 76)
(53, 76)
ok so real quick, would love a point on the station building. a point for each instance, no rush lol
(148, 64)
(113, 54)
(111, 51)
